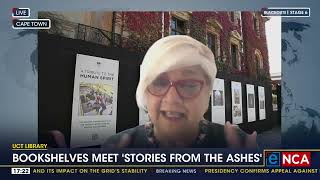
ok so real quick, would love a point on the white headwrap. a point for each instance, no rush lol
(170, 53)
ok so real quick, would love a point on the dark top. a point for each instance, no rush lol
(211, 135)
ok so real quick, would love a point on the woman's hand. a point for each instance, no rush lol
(123, 142)
(236, 138)
(58, 139)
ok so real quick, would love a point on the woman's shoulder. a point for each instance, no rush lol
(130, 138)
(206, 125)
(213, 133)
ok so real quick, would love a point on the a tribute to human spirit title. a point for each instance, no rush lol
(96, 75)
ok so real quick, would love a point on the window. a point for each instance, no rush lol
(232, 16)
(257, 64)
(212, 43)
(177, 26)
(256, 24)
(259, 61)
(234, 55)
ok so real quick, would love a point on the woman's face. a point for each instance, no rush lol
(176, 110)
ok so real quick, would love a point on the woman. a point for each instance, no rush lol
(176, 78)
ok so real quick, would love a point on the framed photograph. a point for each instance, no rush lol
(236, 102)
(251, 103)
(217, 98)
(218, 102)
(262, 109)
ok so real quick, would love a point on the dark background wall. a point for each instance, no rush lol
(57, 59)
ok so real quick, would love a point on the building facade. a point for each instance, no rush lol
(237, 39)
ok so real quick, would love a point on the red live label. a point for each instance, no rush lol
(296, 159)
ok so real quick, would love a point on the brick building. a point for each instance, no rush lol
(237, 39)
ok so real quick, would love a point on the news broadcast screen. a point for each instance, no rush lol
(159, 89)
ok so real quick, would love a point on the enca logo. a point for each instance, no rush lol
(288, 159)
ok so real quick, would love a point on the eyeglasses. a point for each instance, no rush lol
(188, 88)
